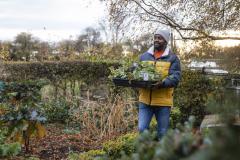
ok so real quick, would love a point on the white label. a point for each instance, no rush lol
(145, 76)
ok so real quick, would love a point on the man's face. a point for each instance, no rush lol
(159, 42)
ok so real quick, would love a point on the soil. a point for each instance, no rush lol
(56, 145)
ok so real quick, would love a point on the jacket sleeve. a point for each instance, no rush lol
(174, 74)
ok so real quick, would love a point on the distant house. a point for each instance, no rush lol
(208, 67)
(196, 64)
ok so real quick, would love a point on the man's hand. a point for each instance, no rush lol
(157, 85)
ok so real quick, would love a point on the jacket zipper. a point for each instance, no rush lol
(150, 98)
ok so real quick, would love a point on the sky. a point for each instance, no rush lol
(49, 20)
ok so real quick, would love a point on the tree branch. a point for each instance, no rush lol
(210, 37)
(149, 12)
(173, 24)
(167, 18)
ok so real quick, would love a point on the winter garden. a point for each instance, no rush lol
(59, 101)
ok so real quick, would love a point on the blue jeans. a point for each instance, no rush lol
(146, 113)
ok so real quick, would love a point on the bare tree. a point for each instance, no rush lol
(192, 19)
(88, 40)
(66, 47)
(44, 50)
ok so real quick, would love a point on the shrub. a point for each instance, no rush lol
(123, 144)
(192, 94)
(176, 144)
(11, 149)
(20, 112)
(57, 110)
(7, 149)
(89, 155)
(112, 149)
(175, 117)
(92, 154)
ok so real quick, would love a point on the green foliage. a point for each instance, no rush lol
(26, 92)
(140, 70)
(175, 117)
(11, 149)
(22, 123)
(177, 144)
(32, 158)
(73, 156)
(224, 140)
(230, 58)
(187, 143)
(7, 149)
(71, 131)
(123, 144)
(2, 88)
(111, 149)
(222, 97)
(153, 125)
(89, 155)
(223, 144)
(24, 45)
(121, 72)
(192, 94)
(20, 112)
(57, 110)
(92, 154)
(88, 72)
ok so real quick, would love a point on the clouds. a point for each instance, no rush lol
(51, 14)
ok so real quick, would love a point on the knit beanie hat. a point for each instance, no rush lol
(164, 33)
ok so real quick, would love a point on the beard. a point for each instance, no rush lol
(159, 46)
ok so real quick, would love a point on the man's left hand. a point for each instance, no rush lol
(157, 85)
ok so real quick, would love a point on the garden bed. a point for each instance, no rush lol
(58, 144)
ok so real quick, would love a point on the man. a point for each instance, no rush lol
(159, 100)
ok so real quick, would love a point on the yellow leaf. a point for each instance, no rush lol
(41, 131)
(19, 137)
(31, 129)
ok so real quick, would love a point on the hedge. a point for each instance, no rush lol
(88, 71)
